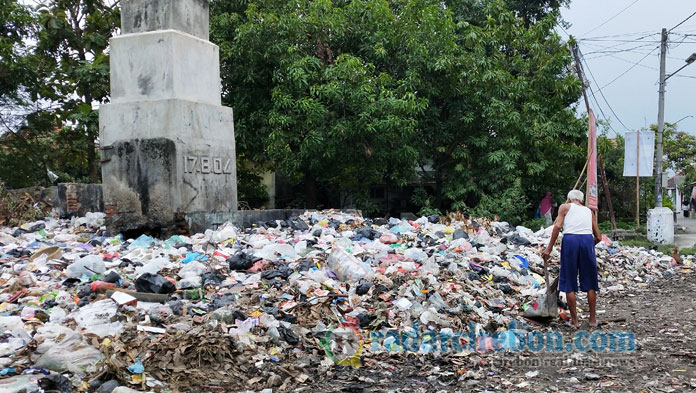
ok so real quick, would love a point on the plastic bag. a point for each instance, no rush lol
(87, 266)
(11, 324)
(92, 220)
(154, 283)
(64, 350)
(224, 233)
(273, 251)
(95, 318)
(415, 254)
(144, 241)
(346, 266)
(190, 275)
(152, 267)
(541, 308)
(388, 238)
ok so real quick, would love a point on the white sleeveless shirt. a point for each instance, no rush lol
(578, 221)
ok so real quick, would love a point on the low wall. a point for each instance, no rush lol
(46, 194)
(77, 199)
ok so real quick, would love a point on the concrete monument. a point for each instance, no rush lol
(168, 148)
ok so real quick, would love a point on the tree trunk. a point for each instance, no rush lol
(438, 193)
(92, 160)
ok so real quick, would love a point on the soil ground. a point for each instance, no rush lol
(660, 314)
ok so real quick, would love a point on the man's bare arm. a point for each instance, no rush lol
(595, 229)
(557, 227)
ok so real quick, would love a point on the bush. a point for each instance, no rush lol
(511, 205)
(535, 224)
(666, 202)
(688, 250)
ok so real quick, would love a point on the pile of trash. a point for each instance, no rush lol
(84, 310)
(16, 208)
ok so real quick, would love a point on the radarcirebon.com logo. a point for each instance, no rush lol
(344, 344)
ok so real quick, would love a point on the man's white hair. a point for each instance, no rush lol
(576, 195)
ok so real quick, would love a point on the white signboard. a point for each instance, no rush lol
(646, 155)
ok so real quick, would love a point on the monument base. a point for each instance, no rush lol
(661, 225)
(150, 184)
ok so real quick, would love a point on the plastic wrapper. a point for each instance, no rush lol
(63, 349)
(347, 267)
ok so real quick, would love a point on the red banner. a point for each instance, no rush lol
(592, 195)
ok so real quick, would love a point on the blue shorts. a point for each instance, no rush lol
(578, 256)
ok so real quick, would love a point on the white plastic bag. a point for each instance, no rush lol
(415, 254)
(273, 251)
(191, 275)
(152, 267)
(64, 350)
(95, 318)
(88, 265)
(346, 266)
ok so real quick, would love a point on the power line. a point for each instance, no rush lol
(632, 49)
(602, 93)
(621, 35)
(629, 69)
(682, 22)
(604, 53)
(601, 111)
(638, 64)
(612, 18)
(606, 40)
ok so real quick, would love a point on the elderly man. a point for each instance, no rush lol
(580, 235)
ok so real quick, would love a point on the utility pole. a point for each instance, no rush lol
(578, 69)
(660, 121)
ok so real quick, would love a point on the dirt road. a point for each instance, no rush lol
(659, 314)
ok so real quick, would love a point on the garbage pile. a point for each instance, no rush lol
(84, 310)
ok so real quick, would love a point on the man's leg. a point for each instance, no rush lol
(589, 277)
(572, 303)
(592, 300)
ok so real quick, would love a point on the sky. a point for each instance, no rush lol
(614, 36)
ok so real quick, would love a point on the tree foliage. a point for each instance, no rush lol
(16, 24)
(506, 112)
(465, 100)
(68, 65)
(362, 92)
(680, 156)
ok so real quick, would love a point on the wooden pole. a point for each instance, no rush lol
(608, 195)
(578, 69)
(638, 179)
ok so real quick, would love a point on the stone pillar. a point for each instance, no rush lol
(168, 145)
(661, 225)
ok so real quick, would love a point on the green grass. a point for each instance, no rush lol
(605, 226)
(688, 250)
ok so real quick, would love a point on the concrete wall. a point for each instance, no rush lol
(176, 65)
(75, 199)
(188, 16)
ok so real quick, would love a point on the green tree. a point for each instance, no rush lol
(503, 112)
(72, 44)
(531, 11)
(16, 25)
(326, 87)
(679, 149)
(473, 96)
